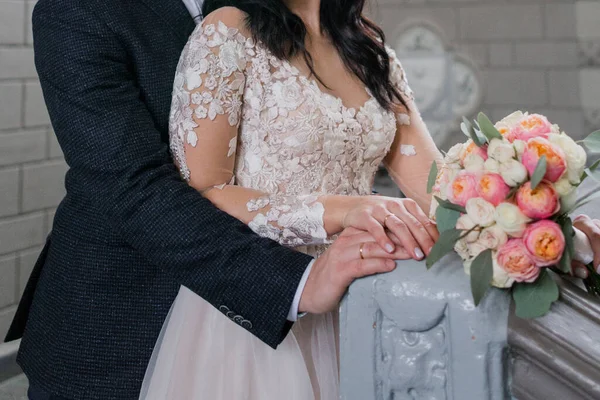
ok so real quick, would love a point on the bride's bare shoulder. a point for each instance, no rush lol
(232, 17)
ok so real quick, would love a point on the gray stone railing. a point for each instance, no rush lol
(415, 334)
(8, 356)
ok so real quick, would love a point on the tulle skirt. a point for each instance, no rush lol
(201, 354)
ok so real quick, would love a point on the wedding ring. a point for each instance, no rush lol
(385, 219)
(362, 257)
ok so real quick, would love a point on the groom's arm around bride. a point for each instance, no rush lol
(129, 231)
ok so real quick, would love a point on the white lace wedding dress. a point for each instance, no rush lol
(241, 117)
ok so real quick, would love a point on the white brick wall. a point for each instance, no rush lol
(528, 51)
(31, 164)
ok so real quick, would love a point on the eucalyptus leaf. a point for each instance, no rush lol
(539, 172)
(450, 206)
(487, 128)
(567, 229)
(482, 271)
(477, 138)
(534, 300)
(444, 245)
(446, 218)
(433, 172)
(592, 142)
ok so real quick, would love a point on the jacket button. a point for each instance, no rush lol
(224, 309)
(246, 324)
(238, 319)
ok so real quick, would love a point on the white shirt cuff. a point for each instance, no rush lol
(293, 314)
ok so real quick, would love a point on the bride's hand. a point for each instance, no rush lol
(402, 217)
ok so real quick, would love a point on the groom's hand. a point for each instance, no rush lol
(341, 264)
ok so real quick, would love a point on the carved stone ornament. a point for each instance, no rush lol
(416, 334)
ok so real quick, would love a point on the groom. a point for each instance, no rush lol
(130, 232)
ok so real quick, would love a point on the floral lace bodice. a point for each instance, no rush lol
(252, 120)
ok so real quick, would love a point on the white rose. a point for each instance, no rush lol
(555, 129)
(462, 249)
(513, 172)
(567, 193)
(500, 150)
(500, 278)
(510, 218)
(473, 163)
(492, 237)
(453, 155)
(563, 186)
(576, 156)
(519, 147)
(465, 223)
(491, 165)
(476, 248)
(513, 119)
(567, 202)
(481, 211)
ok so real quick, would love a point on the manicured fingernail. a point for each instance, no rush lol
(581, 273)
(389, 248)
(419, 253)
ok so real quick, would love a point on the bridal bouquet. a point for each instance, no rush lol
(502, 201)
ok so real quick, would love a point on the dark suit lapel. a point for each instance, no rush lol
(174, 14)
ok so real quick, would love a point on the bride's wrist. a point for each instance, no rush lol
(337, 208)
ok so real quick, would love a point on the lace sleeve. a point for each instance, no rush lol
(413, 150)
(207, 107)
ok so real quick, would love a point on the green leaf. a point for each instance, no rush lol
(444, 245)
(565, 262)
(482, 271)
(591, 172)
(539, 172)
(487, 128)
(446, 218)
(468, 129)
(433, 172)
(449, 205)
(592, 142)
(533, 300)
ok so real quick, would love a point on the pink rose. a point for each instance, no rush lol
(531, 126)
(540, 203)
(492, 188)
(462, 188)
(556, 163)
(545, 242)
(514, 258)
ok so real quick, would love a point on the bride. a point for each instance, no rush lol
(282, 113)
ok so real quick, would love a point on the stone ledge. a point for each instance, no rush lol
(8, 357)
(558, 355)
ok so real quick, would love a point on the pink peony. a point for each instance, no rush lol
(540, 203)
(472, 148)
(492, 188)
(514, 258)
(545, 242)
(556, 163)
(531, 126)
(462, 188)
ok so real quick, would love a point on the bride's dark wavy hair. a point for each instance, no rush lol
(359, 41)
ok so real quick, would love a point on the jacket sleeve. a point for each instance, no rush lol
(108, 136)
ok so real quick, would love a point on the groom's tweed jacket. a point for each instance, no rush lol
(129, 231)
